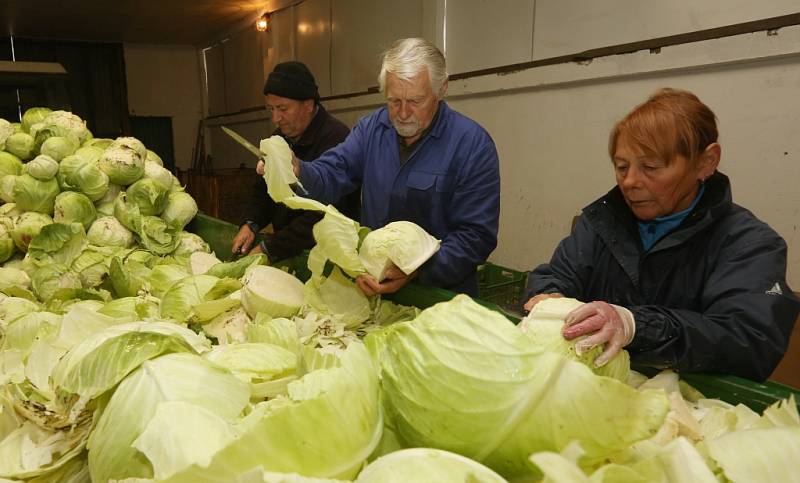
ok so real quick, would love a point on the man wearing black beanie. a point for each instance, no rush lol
(292, 99)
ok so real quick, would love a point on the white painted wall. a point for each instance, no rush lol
(165, 81)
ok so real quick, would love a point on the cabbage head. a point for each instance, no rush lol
(123, 161)
(21, 145)
(30, 194)
(6, 130)
(401, 243)
(13, 277)
(9, 164)
(149, 195)
(189, 243)
(462, 378)
(59, 147)
(74, 207)
(57, 243)
(50, 280)
(105, 205)
(101, 143)
(7, 183)
(127, 212)
(109, 232)
(77, 173)
(180, 210)
(158, 173)
(60, 123)
(156, 236)
(427, 464)
(42, 167)
(27, 226)
(153, 158)
(91, 153)
(272, 291)
(6, 242)
(9, 210)
(34, 115)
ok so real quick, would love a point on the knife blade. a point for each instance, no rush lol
(259, 154)
(244, 142)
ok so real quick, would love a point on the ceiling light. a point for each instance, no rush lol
(262, 24)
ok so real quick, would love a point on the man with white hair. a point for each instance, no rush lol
(418, 160)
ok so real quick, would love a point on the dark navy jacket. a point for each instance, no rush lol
(710, 296)
(293, 228)
(450, 186)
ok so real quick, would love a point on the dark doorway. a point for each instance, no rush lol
(156, 134)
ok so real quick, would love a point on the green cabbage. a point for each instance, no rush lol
(30, 194)
(462, 378)
(271, 291)
(149, 195)
(59, 147)
(57, 243)
(73, 207)
(42, 167)
(34, 115)
(21, 145)
(168, 395)
(9, 164)
(108, 231)
(123, 161)
(180, 209)
(60, 123)
(400, 243)
(77, 173)
(27, 226)
(426, 464)
(156, 236)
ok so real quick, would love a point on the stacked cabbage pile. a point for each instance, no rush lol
(131, 353)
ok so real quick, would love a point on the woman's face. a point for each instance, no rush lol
(653, 188)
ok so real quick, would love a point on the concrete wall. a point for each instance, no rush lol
(165, 81)
(551, 123)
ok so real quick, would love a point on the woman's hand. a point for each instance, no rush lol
(603, 323)
(394, 281)
(538, 298)
(243, 240)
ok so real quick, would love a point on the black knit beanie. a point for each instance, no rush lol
(292, 80)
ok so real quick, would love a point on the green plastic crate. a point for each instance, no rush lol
(502, 286)
(218, 234)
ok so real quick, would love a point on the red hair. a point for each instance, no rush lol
(671, 122)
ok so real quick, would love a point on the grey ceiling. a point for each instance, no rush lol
(189, 22)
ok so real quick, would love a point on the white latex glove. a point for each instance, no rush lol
(603, 323)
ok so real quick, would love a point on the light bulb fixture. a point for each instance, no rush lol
(262, 24)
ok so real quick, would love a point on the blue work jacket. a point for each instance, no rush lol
(450, 186)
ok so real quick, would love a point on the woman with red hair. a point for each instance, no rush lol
(673, 270)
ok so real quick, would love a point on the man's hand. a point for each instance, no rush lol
(606, 323)
(295, 166)
(243, 240)
(394, 281)
(538, 298)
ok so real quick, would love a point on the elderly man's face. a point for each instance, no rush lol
(412, 104)
(291, 116)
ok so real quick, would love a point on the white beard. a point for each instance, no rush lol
(407, 128)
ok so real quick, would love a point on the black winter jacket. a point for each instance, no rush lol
(710, 296)
(293, 228)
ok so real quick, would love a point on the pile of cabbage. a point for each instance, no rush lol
(131, 353)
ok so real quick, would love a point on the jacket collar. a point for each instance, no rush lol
(614, 223)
